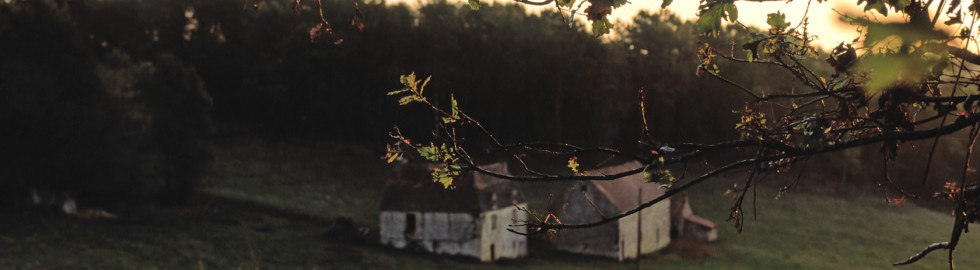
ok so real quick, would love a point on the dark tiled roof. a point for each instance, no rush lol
(410, 188)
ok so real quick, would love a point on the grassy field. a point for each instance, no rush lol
(270, 206)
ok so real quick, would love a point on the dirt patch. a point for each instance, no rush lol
(690, 248)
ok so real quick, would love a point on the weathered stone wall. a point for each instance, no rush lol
(498, 242)
(441, 233)
(655, 234)
(602, 240)
(616, 240)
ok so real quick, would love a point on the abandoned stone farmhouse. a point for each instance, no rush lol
(470, 218)
(590, 201)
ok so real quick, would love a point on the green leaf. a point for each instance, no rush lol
(566, 3)
(445, 174)
(619, 3)
(753, 48)
(710, 14)
(446, 181)
(900, 5)
(881, 6)
(474, 4)
(877, 32)
(455, 106)
(666, 3)
(886, 69)
(666, 176)
(732, 12)
(454, 112)
(777, 21)
(877, 5)
(601, 27)
(430, 153)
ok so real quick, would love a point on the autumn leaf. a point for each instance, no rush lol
(316, 33)
(357, 22)
(598, 10)
(573, 164)
(899, 201)
(392, 154)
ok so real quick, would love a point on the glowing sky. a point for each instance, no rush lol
(824, 20)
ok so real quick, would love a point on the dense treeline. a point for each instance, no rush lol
(501, 63)
(111, 99)
(93, 124)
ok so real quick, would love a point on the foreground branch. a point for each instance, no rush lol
(923, 253)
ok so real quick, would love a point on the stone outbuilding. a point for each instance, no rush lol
(684, 223)
(590, 201)
(470, 218)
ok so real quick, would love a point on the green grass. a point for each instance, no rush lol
(804, 230)
(276, 201)
(320, 180)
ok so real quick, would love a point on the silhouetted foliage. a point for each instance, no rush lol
(107, 130)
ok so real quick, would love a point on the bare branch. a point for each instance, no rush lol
(533, 3)
(922, 254)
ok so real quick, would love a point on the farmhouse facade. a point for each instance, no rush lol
(590, 201)
(471, 218)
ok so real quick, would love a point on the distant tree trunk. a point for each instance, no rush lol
(558, 124)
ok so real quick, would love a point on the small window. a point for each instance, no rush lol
(410, 224)
(493, 222)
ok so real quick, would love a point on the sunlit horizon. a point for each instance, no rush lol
(824, 20)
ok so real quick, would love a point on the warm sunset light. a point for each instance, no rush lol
(482, 135)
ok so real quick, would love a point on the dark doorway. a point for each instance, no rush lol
(493, 252)
(410, 224)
